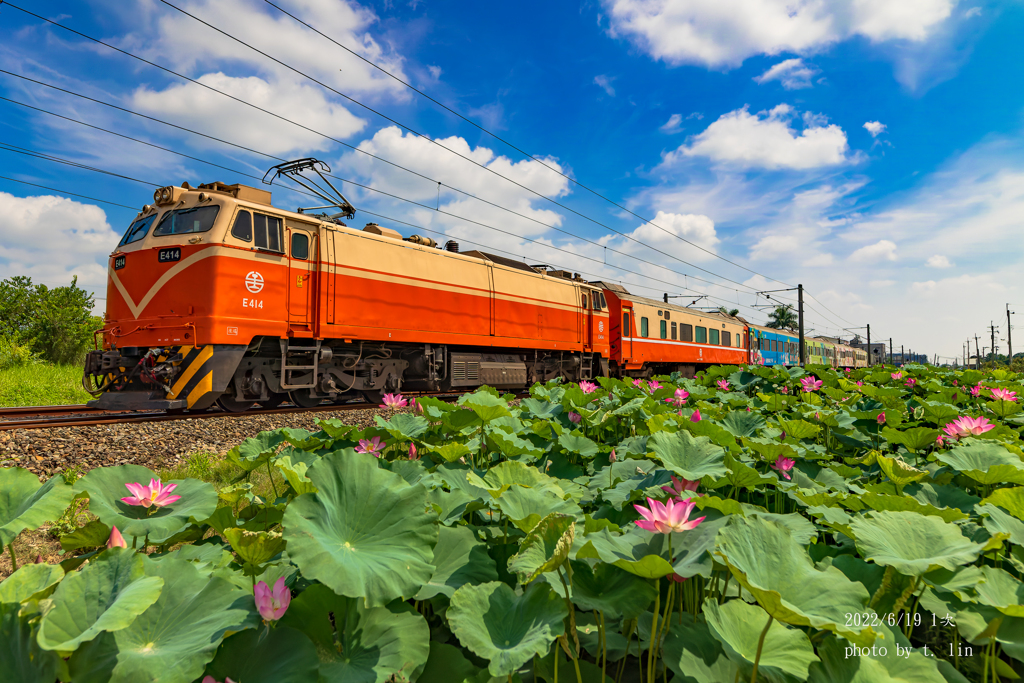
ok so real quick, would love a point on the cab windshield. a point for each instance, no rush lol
(183, 221)
(137, 230)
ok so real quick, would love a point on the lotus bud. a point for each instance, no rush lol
(881, 418)
(272, 604)
(413, 455)
(116, 540)
(695, 416)
(612, 457)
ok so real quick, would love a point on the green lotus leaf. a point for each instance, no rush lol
(107, 595)
(29, 581)
(527, 506)
(451, 505)
(800, 528)
(447, 664)
(899, 472)
(914, 439)
(798, 429)
(544, 548)
(254, 547)
(716, 433)
(742, 423)
(945, 496)
(986, 463)
(175, 638)
(879, 502)
(695, 656)
(692, 549)
(505, 628)
(506, 474)
(763, 556)
(460, 558)
(1001, 590)
(277, 655)
(92, 535)
(404, 426)
(450, 452)
(996, 521)
(337, 430)
(21, 658)
(912, 543)
(1010, 499)
(688, 456)
(295, 474)
(636, 551)
(106, 488)
(1004, 408)
(27, 504)
(364, 533)
(939, 413)
(738, 627)
(359, 644)
(232, 494)
(511, 446)
(608, 589)
(486, 406)
(744, 476)
(578, 444)
(543, 410)
(840, 663)
(256, 451)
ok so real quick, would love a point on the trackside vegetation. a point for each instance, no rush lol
(752, 524)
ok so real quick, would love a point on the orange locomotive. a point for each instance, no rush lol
(214, 295)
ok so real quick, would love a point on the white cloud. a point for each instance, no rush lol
(883, 250)
(663, 232)
(972, 12)
(939, 261)
(792, 73)
(819, 260)
(435, 71)
(605, 83)
(717, 33)
(767, 140)
(51, 239)
(672, 125)
(695, 115)
(880, 284)
(875, 128)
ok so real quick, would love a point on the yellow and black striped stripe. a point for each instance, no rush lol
(196, 378)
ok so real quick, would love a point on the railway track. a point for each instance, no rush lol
(43, 417)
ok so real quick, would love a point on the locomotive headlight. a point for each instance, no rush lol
(163, 195)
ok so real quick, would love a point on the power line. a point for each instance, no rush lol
(509, 144)
(48, 157)
(53, 189)
(345, 144)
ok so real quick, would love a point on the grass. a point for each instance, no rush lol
(41, 384)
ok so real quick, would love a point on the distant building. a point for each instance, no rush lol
(878, 353)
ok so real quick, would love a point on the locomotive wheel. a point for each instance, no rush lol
(303, 398)
(232, 405)
(274, 401)
(373, 396)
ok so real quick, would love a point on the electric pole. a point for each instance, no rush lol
(890, 350)
(992, 349)
(1009, 336)
(869, 344)
(903, 356)
(800, 312)
(977, 354)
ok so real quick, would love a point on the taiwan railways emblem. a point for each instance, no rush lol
(254, 282)
(600, 326)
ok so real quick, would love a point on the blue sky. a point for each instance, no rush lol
(870, 150)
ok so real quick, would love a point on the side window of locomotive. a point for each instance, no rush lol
(300, 245)
(187, 221)
(137, 230)
(242, 229)
(268, 232)
(626, 332)
(685, 332)
(643, 327)
(584, 302)
(702, 335)
(664, 330)
(714, 336)
(726, 339)
(673, 330)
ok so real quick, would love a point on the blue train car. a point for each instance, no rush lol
(773, 347)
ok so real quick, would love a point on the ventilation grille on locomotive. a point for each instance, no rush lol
(463, 370)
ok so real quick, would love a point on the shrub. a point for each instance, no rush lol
(55, 324)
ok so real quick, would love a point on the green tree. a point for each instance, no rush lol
(55, 324)
(783, 318)
(729, 312)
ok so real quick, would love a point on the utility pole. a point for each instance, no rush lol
(869, 344)
(903, 355)
(890, 350)
(977, 354)
(800, 312)
(992, 357)
(1009, 336)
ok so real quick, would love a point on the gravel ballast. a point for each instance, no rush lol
(157, 445)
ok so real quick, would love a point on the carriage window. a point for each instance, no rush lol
(726, 338)
(673, 330)
(702, 335)
(685, 332)
(584, 302)
(626, 332)
(664, 330)
(184, 221)
(643, 327)
(668, 315)
(714, 336)
(604, 302)
(137, 230)
(268, 232)
(242, 229)
(300, 245)
(738, 340)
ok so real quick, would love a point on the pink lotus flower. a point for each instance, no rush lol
(653, 386)
(817, 416)
(976, 391)
(272, 604)
(665, 518)
(910, 382)
(784, 390)
(416, 407)
(675, 577)
(612, 457)
(116, 540)
(394, 401)
(969, 426)
(211, 679)
(147, 496)
(695, 416)
(897, 375)
(782, 436)
(575, 418)
(680, 397)
(954, 383)
(680, 485)
(881, 418)
(632, 381)
(1004, 394)
(588, 387)
(809, 384)
(373, 446)
(860, 384)
(952, 430)
(783, 465)
(748, 409)
(723, 384)
(413, 455)
(940, 440)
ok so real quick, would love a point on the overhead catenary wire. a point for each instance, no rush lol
(359, 150)
(73, 194)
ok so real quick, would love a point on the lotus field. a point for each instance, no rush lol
(752, 524)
